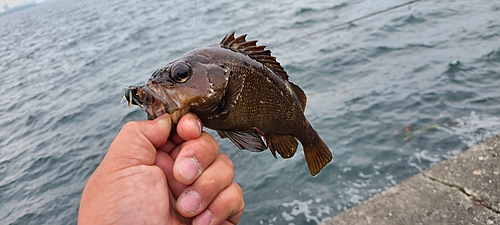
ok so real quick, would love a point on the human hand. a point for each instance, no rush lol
(150, 176)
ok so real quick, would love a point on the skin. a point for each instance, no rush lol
(151, 177)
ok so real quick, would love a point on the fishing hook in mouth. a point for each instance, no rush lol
(132, 97)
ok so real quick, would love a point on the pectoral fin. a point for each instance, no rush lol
(245, 140)
(231, 95)
(285, 145)
(221, 134)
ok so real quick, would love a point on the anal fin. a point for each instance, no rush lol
(285, 145)
(317, 155)
(245, 140)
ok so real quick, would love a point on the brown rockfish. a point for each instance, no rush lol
(238, 89)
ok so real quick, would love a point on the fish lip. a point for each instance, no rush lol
(158, 102)
(146, 89)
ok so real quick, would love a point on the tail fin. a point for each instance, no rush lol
(317, 155)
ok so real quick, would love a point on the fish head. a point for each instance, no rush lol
(193, 82)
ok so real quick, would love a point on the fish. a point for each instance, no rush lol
(241, 91)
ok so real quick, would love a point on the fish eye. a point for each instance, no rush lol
(180, 72)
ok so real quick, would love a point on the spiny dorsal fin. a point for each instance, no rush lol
(250, 48)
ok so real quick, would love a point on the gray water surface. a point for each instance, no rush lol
(64, 66)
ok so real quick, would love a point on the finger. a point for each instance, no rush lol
(194, 157)
(187, 167)
(169, 146)
(189, 127)
(174, 137)
(226, 208)
(196, 197)
(165, 162)
(137, 141)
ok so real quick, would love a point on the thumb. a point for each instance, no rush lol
(137, 141)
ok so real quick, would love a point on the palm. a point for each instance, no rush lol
(146, 193)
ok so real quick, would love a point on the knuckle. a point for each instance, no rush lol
(239, 192)
(211, 140)
(129, 126)
(226, 160)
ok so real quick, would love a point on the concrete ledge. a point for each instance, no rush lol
(464, 189)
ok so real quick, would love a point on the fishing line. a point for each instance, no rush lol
(195, 23)
(349, 22)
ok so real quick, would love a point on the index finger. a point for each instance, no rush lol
(189, 127)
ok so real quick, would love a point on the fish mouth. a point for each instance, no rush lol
(155, 100)
(154, 104)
